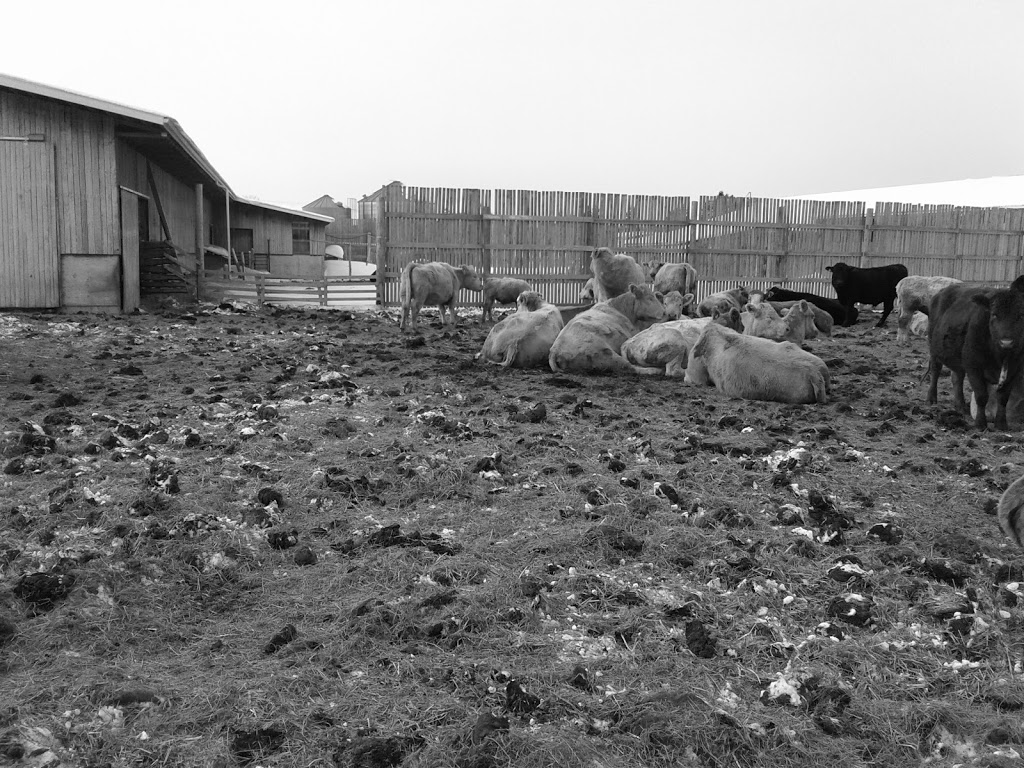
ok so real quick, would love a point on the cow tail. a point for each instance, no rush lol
(1009, 511)
(820, 390)
(405, 284)
(510, 354)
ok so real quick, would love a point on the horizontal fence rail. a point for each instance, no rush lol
(325, 292)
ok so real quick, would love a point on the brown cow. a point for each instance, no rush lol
(501, 290)
(674, 277)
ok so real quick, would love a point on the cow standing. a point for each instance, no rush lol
(434, 283)
(866, 285)
(977, 332)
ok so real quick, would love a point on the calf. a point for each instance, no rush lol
(587, 294)
(764, 322)
(866, 285)
(524, 338)
(977, 332)
(591, 341)
(745, 366)
(674, 277)
(676, 305)
(666, 346)
(723, 301)
(833, 307)
(913, 294)
(434, 283)
(501, 290)
(614, 273)
(820, 321)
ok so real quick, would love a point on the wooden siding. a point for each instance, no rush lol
(29, 264)
(177, 198)
(85, 180)
(272, 230)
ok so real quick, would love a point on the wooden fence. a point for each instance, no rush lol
(260, 290)
(547, 237)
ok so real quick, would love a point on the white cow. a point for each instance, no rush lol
(591, 341)
(723, 301)
(434, 283)
(674, 277)
(763, 321)
(665, 347)
(524, 338)
(752, 368)
(913, 294)
(614, 273)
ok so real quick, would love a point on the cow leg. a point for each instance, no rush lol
(848, 320)
(980, 388)
(415, 312)
(486, 307)
(454, 318)
(934, 369)
(958, 391)
(903, 326)
(886, 309)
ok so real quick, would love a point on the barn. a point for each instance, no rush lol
(102, 205)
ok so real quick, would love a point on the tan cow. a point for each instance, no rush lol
(1011, 504)
(676, 304)
(665, 347)
(821, 319)
(614, 273)
(752, 368)
(524, 338)
(501, 290)
(674, 277)
(434, 283)
(763, 321)
(723, 301)
(590, 342)
(913, 294)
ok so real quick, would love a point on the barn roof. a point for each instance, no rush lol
(157, 136)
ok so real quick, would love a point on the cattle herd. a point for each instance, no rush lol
(646, 320)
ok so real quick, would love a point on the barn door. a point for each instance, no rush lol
(29, 264)
(132, 207)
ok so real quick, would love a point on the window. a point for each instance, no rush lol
(300, 237)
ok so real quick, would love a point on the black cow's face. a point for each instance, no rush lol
(840, 274)
(1006, 319)
(770, 293)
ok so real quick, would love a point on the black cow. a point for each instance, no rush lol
(866, 285)
(831, 306)
(977, 332)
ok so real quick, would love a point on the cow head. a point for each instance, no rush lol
(648, 309)
(772, 292)
(840, 274)
(676, 305)
(470, 279)
(529, 301)
(653, 269)
(730, 319)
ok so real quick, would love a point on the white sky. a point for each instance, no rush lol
(290, 101)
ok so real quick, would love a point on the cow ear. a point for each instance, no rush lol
(828, 269)
(1018, 285)
(660, 295)
(635, 290)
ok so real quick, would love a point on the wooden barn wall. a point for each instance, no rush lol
(547, 238)
(176, 197)
(272, 230)
(86, 187)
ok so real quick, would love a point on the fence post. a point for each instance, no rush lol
(382, 251)
(485, 240)
(261, 290)
(865, 235)
(778, 261)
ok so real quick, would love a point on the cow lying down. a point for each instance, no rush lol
(757, 369)
(821, 320)
(591, 341)
(524, 338)
(763, 321)
(665, 347)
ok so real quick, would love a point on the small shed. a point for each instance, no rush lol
(102, 204)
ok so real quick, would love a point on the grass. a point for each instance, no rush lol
(460, 545)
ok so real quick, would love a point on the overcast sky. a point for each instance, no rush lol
(290, 101)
